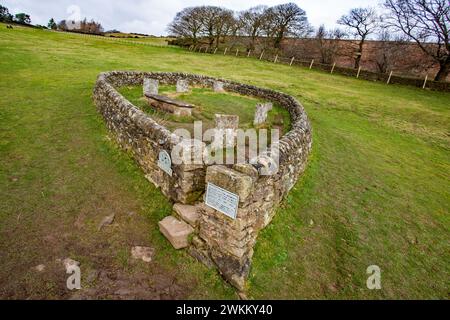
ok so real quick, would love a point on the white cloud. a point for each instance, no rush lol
(152, 16)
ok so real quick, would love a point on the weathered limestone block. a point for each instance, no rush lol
(182, 86)
(225, 131)
(176, 231)
(218, 86)
(150, 86)
(231, 180)
(187, 213)
(261, 112)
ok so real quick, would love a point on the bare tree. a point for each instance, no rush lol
(363, 22)
(187, 24)
(286, 20)
(62, 25)
(252, 21)
(328, 43)
(214, 23)
(424, 21)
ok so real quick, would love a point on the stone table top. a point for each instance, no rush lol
(168, 100)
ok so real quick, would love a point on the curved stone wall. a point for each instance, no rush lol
(219, 240)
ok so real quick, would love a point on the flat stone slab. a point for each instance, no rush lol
(167, 104)
(186, 212)
(176, 231)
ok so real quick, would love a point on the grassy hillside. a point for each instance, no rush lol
(376, 190)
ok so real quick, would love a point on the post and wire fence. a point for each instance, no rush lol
(389, 77)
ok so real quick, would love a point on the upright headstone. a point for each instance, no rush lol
(150, 86)
(261, 112)
(182, 86)
(218, 86)
(225, 131)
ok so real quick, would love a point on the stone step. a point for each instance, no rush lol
(187, 213)
(176, 231)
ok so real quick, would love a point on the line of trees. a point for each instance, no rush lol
(214, 23)
(20, 18)
(83, 26)
(425, 22)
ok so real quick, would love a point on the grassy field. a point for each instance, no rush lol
(376, 191)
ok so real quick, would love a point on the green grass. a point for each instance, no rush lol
(208, 103)
(376, 190)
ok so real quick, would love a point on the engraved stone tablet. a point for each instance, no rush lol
(225, 131)
(222, 200)
(261, 112)
(182, 86)
(164, 162)
(150, 86)
(218, 86)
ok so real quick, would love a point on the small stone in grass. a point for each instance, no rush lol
(143, 253)
(106, 221)
(40, 268)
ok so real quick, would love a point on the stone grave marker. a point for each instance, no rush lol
(225, 131)
(150, 86)
(218, 86)
(182, 86)
(261, 112)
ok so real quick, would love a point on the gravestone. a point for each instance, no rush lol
(218, 86)
(150, 86)
(261, 112)
(225, 131)
(182, 86)
(226, 121)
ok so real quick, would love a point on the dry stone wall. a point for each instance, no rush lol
(219, 240)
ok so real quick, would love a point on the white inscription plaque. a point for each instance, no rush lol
(164, 162)
(222, 200)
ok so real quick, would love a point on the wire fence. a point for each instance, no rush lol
(388, 78)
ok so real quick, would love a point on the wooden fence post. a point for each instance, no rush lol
(237, 52)
(332, 68)
(276, 59)
(425, 82)
(292, 61)
(262, 53)
(225, 51)
(215, 50)
(389, 79)
(359, 70)
(311, 65)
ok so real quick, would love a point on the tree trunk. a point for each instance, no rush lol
(444, 70)
(359, 56)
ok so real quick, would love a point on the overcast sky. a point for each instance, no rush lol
(153, 16)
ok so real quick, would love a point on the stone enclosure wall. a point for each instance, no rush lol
(218, 240)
